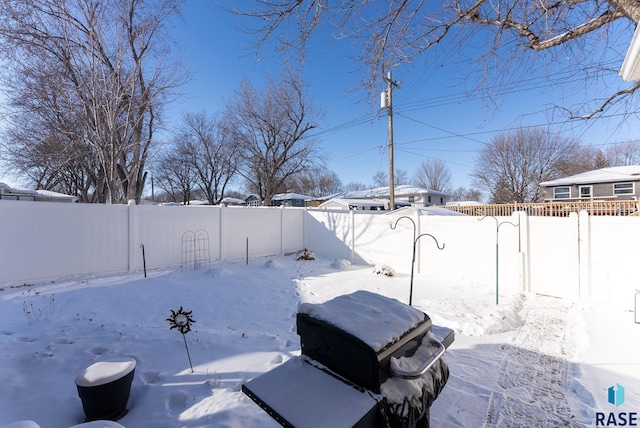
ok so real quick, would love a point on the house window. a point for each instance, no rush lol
(412, 199)
(429, 199)
(623, 189)
(562, 192)
(586, 191)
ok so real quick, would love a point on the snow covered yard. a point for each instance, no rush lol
(530, 361)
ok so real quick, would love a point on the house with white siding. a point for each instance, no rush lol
(378, 198)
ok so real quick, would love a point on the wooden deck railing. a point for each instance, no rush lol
(553, 208)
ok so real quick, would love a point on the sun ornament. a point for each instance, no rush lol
(181, 320)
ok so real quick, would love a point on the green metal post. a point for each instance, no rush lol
(496, 269)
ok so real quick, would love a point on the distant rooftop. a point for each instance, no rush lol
(603, 175)
(381, 192)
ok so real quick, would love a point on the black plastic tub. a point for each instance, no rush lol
(104, 388)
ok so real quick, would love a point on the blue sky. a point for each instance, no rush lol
(435, 118)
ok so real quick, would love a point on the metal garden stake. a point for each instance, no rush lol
(413, 255)
(182, 320)
(498, 224)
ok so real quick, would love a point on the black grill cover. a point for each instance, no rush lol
(355, 335)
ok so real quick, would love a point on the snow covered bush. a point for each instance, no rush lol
(384, 270)
(306, 255)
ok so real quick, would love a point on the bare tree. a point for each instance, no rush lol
(212, 154)
(464, 194)
(400, 177)
(585, 34)
(580, 159)
(106, 66)
(513, 164)
(381, 179)
(175, 173)
(624, 153)
(433, 174)
(271, 128)
(354, 186)
(315, 181)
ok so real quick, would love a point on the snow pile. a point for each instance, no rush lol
(341, 264)
(272, 264)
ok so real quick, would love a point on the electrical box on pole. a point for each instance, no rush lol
(384, 100)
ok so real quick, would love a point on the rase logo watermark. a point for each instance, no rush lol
(615, 396)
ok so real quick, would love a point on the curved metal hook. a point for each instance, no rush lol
(434, 238)
(490, 216)
(393, 226)
(508, 222)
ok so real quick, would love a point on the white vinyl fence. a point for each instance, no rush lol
(47, 240)
(575, 256)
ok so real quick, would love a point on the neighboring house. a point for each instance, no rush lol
(354, 204)
(281, 199)
(618, 182)
(18, 194)
(404, 195)
(232, 202)
(289, 200)
(253, 201)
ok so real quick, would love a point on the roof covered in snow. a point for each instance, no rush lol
(426, 211)
(353, 202)
(290, 196)
(232, 201)
(382, 192)
(603, 175)
(37, 195)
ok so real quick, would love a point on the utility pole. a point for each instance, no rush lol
(387, 102)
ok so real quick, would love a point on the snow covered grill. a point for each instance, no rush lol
(375, 353)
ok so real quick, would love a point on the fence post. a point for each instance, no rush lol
(525, 250)
(353, 233)
(418, 233)
(220, 229)
(281, 229)
(133, 236)
(584, 254)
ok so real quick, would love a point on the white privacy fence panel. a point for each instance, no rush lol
(162, 229)
(48, 240)
(330, 233)
(614, 255)
(293, 220)
(470, 252)
(253, 231)
(553, 252)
